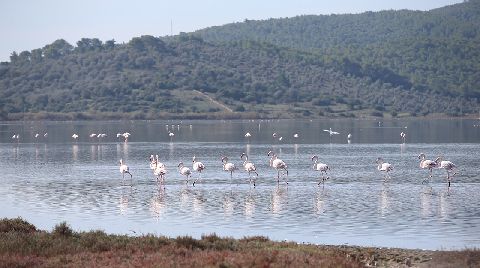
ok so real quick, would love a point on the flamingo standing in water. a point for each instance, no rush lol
(198, 167)
(124, 169)
(248, 135)
(385, 167)
(448, 166)
(323, 168)
(249, 167)
(278, 164)
(228, 167)
(160, 171)
(185, 171)
(403, 135)
(425, 163)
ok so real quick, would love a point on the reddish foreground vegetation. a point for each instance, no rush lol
(22, 245)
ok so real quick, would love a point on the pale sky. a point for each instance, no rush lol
(30, 24)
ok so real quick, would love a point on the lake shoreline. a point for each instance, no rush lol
(106, 116)
(24, 245)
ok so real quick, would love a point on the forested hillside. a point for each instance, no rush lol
(437, 50)
(390, 63)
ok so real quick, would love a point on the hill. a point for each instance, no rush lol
(437, 50)
(389, 63)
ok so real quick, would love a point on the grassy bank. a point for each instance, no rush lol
(23, 245)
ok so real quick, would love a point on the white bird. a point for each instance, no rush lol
(331, 132)
(385, 167)
(36, 135)
(93, 135)
(323, 168)
(228, 166)
(249, 167)
(75, 136)
(403, 136)
(185, 171)
(198, 167)
(295, 135)
(280, 139)
(248, 135)
(274, 134)
(426, 164)
(278, 164)
(171, 134)
(16, 137)
(153, 162)
(158, 163)
(448, 166)
(126, 135)
(124, 169)
(160, 171)
(45, 135)
(349, 136)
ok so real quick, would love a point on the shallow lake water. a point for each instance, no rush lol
(47, 180)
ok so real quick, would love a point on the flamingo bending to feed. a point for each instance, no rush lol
(228, 166)
(385, 167)
(425, 163)
(330, 132)
(124, 169)
(323, 168)
(185, 171)
(198, 167)
(249, 167)
(278, 164)
(448, 166)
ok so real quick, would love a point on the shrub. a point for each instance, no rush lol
(16, 225)
(62, 229)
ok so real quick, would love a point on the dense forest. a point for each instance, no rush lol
(371, 64)
(437, 50)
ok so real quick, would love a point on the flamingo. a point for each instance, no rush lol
(403, 136)
(384, 166)
(448, 166)
(247, 136)
(330, 132)
(152, 162)
(126, 135)
(185, 171)
(158, 163)
(198, 167)
(228, 166)
(160, 171)
(323, 168)
(278, 164)
(249, 167)
(426, 164)
(124, 169)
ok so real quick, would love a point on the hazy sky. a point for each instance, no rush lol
(30, 24)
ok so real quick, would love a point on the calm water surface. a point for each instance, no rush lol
(54, 179)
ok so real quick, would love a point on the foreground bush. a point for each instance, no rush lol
(22, 245)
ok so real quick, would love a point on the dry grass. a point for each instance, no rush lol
(21, 245)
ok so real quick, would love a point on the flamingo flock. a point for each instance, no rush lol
(159, 169)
